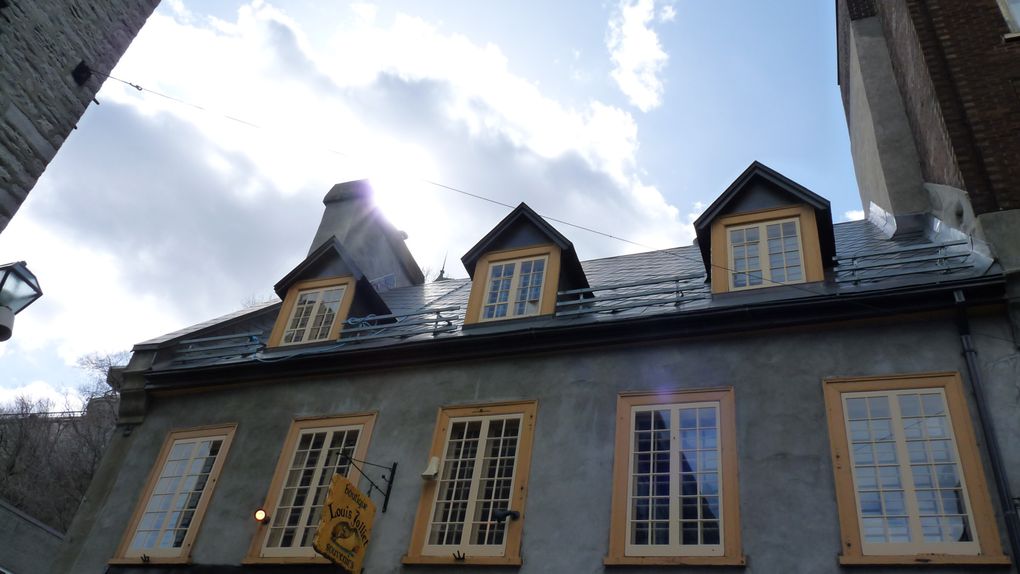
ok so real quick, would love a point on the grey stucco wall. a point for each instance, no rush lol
(787, 499)
(41, 43)
(26, 545)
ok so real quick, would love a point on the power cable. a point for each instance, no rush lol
(669, 250)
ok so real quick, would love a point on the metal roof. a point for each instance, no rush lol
(625, 286)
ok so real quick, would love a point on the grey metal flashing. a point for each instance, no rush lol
(31, 520)
(628, 287)
(564, 334)
(219, 323)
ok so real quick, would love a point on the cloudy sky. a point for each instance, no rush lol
(625, 116)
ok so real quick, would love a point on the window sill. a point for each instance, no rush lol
(137, 560)
(675, 561)
(467, 561)
(253, 560)
(924, 559)
(1011, 37)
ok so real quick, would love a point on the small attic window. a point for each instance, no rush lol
(765, 253)
(517, 269)
(313, 311)
(766, 249)
(765, 230)
(515, 288)
(514, 284)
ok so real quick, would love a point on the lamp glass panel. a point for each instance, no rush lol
(17, 293)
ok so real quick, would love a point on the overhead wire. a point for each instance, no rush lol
(668, 250)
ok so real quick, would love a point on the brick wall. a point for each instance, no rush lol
(917, 80)
(41, 42)
(958, 78)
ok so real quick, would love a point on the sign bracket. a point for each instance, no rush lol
(371, 483)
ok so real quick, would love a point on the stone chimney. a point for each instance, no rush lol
(377, 247)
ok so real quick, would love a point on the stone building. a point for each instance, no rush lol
(786, 395)
(42, 43)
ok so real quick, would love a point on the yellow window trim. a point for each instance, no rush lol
(987, 533)
(512, 553)
(480, 283)
(732, 553)
(184, 556)
(810, 249)
(367, 422)
(287, 309)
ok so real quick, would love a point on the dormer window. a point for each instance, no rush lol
(320, 294)
(765, 231)
(314, 315)
(515, 288)
(764, 254)
(517, 269)
(313, 311)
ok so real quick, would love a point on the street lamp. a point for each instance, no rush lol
(18, 289)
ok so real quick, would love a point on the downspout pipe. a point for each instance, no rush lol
(1007, 503)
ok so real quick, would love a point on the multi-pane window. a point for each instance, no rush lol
(765, 254)
(907, 477)
(476, 480)
(675, 482)
(315, 450)
(514, 289)
(320, 454)
(178, 491)
(906, 473)
(473, 508)
(313, 315)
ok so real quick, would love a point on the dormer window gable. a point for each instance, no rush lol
(765, 230)
(319, 295)
(518, 267)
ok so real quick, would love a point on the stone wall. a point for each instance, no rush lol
(41, 42)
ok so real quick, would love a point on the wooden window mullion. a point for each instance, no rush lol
(906, 472)
(674, 477)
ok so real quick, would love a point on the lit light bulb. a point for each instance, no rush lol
(260, 515)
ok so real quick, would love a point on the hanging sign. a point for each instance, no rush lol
(346, 525)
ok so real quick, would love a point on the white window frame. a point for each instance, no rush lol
(763, 254)
(127, 552)
(514, 288)
(473, 494)
(309, 506)
(318, 305)
(674, 547)
(918, 546)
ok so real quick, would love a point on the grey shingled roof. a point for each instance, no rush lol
(866, 261)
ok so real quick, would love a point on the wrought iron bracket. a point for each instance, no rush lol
(371, 483)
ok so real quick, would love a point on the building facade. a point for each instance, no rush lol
(43, 89)
(786, 395)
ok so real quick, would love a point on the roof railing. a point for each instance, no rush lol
(402, 325)
(872, 266)
(220, 347)
(618, 297)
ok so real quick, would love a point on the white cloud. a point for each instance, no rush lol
(853, 215)
(157, 215)
(667, 13)
(636, 53)
(61, 399)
